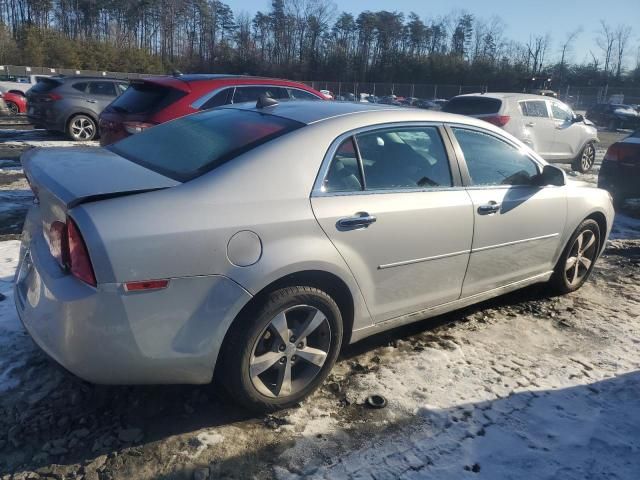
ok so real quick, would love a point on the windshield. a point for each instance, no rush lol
(193, 145)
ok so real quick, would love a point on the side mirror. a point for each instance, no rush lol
(551, 176)
(578, 118)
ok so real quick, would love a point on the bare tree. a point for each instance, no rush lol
(537, 48)
(567, 45)
(605, 40)
(622, 34)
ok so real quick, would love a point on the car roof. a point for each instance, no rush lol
(69, 78)
(309, 112)
(505, 95)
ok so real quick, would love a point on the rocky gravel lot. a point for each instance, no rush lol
(526, 385)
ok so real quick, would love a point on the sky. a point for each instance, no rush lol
(522, 18)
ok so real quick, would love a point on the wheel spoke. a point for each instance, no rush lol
(284, 381)
(312, 355)
(579, 241)
(589, 243)
(585, 262)
(280, 325)
(575, 273)
(315, 320)
(571, 261)
(263, 363)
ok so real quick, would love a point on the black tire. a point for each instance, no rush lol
(82, 128)
(585, 159)
(560, 280)
(13, 108)
(251, 328)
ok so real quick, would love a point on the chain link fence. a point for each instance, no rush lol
(578, 97)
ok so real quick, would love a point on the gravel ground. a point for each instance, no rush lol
(524, 385)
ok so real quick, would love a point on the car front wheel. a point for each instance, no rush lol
(586, 159)
(578, 258)
(13, 108)
(82, 128)
(278, 352)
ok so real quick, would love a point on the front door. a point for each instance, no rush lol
(391, 207)
(569, 135)
(517, 224)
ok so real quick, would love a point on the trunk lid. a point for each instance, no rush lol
(77, 175)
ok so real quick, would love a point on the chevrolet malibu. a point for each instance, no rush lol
(250, 243)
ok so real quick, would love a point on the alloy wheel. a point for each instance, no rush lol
(13, 108)
(588, 157)
(82, 128)
(582, 256)
(290, 351)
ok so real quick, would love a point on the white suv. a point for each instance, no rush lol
(545, 124)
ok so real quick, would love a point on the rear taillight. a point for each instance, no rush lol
(79, 261)
(136, 127)
(498, 120)
(623, 152)
(52, 97)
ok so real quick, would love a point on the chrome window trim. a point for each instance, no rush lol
(199, 102)
(333, 148)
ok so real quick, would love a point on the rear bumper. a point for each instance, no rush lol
(621, 182)
(109, 336)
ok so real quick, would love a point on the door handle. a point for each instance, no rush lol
(491, 207)
(531, 124)
(360, 219)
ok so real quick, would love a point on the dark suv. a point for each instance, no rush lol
(71, 104)
(613, 116)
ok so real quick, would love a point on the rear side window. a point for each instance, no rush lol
(45, 85)
(145, 98)
(491, 161)
(473, 105)
(102, 88)
(344, 172)
(219, 99)
(534, 108)
(301, 94)
(251, 94)
(193, 145)
(80, 86)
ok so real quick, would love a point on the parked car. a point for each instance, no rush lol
(614, 116)
(236, 241)
(620, 169)
(435, 104)
(327, 94)
(151, 101)
(543, 123)
(15, 100)
(20, 83)
(72, 104)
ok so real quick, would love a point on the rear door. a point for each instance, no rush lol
(539, 128)
(100, 94)
(569, 136)
(517, 224)
(394, 208)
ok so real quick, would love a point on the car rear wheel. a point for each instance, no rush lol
(280, 351)
(578, 258)
(13, 108)
(585, 160)
(82, 128)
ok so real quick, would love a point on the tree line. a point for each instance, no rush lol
(302, 39)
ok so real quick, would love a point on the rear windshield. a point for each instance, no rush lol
(45, 85)
(145, 98)
(193, 145)
(473, 105)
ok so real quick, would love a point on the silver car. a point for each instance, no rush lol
(253, 242)
(543, 123)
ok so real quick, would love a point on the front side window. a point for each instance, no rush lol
(251, 94)
(560, 112)
(491, 161)
(534, 108)
(344, 172)
(404, 158)
(190, 146)
(102, 88)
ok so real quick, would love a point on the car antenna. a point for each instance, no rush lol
(264, 101)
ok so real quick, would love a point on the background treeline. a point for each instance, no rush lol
(303, 39)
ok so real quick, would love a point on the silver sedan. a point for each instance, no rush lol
(250, 243)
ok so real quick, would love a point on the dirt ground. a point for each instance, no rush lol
(455, 385)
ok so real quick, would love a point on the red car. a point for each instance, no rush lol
(150, 101)
(16, 101)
